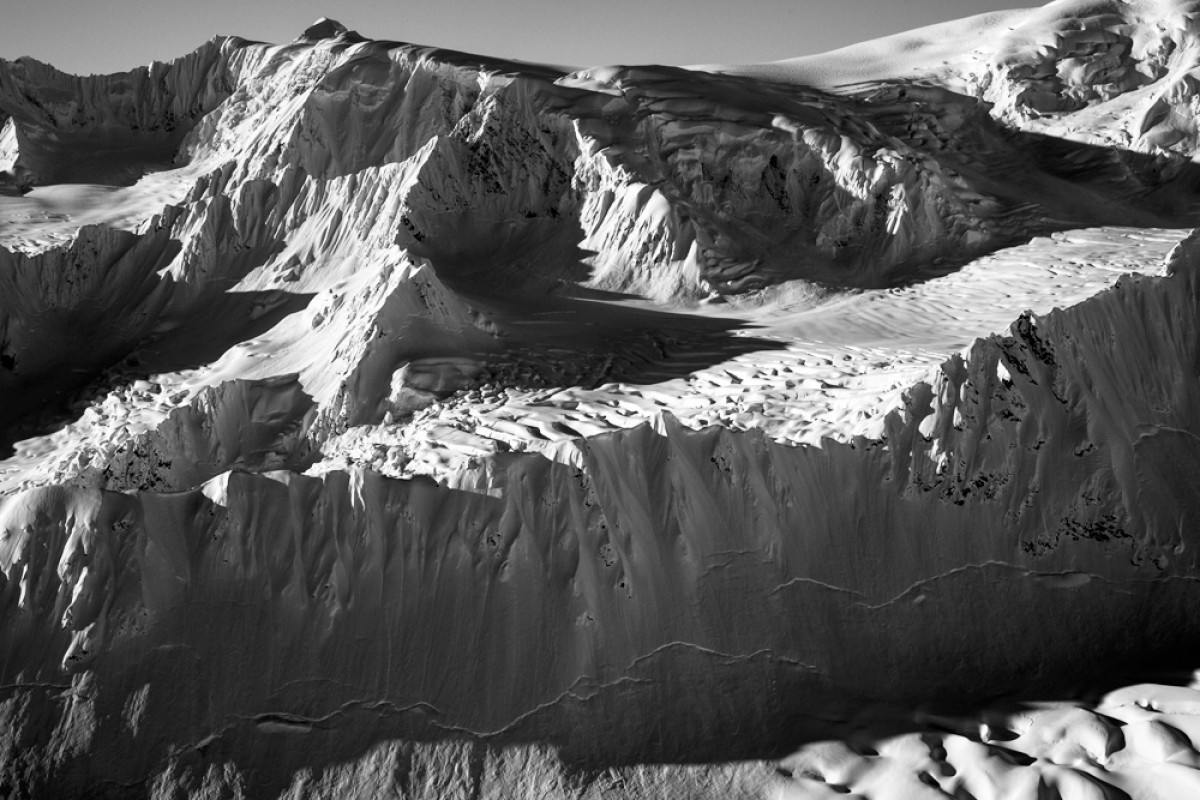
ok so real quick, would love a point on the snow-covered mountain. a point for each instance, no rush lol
(382, 420)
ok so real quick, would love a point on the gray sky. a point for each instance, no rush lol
(110, 35)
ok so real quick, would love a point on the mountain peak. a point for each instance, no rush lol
(324, 28)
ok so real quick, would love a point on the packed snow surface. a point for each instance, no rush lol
(384, 420)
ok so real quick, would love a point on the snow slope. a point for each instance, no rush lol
(1119, 73)
(383, 419)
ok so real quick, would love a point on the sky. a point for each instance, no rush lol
(87, 36)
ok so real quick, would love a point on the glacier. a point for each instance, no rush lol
(384, 420)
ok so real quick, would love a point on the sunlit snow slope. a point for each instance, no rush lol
(382, 420)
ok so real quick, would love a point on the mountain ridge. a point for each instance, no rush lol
(396, 406)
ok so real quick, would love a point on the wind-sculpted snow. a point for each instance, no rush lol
(380, 419)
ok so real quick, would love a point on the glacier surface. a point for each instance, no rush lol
(383, 420)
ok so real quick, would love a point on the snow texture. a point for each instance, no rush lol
(383, 420)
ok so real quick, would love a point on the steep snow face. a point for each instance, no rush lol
(657, 181)
(112, 128)
(734, 197)
(987, 526)
(356, 399)
(8, 154)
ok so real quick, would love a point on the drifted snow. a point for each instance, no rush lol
(360, 397)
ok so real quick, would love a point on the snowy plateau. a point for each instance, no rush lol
(378, 420)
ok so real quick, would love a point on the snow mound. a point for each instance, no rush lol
(1138, 741)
